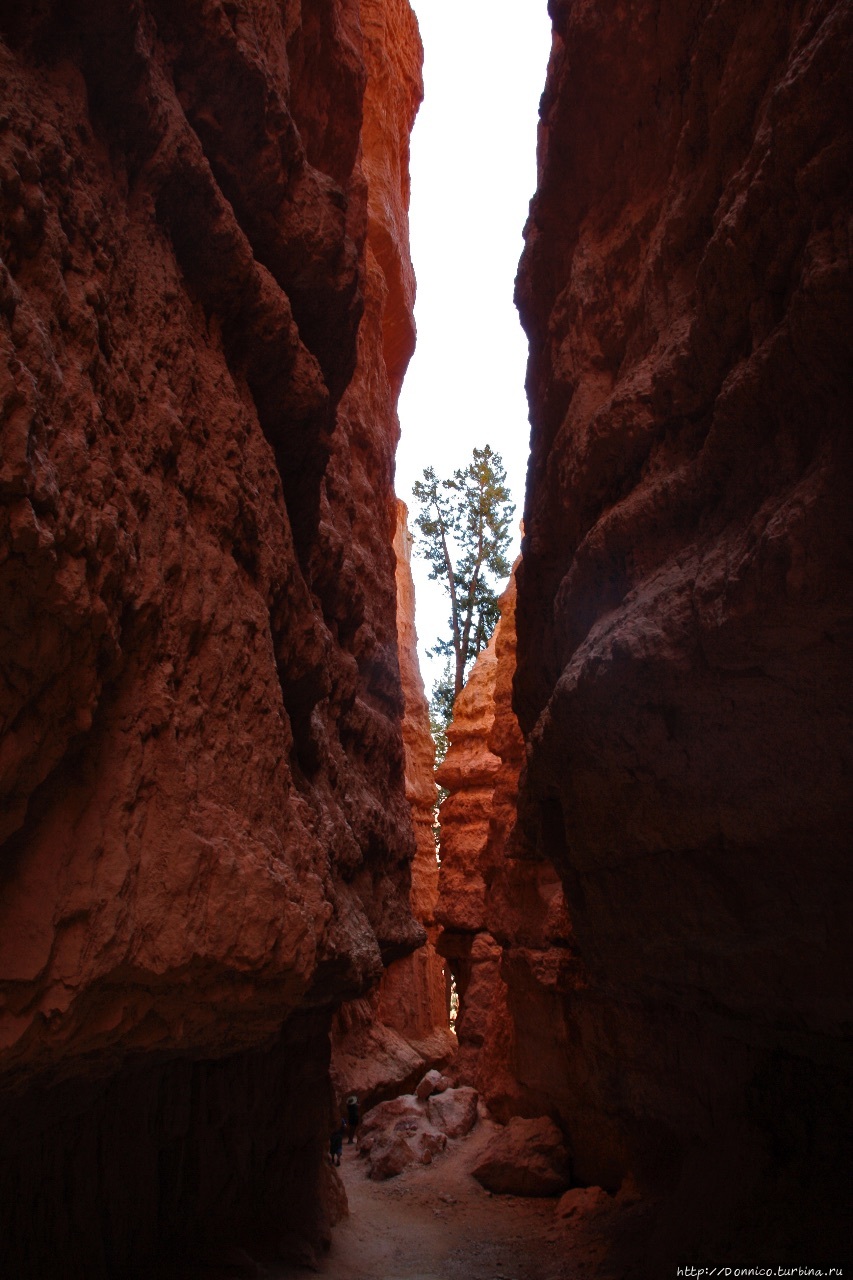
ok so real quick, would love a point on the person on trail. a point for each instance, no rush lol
(352, 1116)
(336, 1143)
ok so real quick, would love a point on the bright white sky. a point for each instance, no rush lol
(473, 174)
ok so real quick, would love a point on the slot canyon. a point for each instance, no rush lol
(221, 909)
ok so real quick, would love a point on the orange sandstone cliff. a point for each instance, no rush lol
(383, 1043)
(505, 930)
(468, 773)
(684, 652)
(414, 991)
(205, 316)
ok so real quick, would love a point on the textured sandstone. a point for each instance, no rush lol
(371, 1059)
(454, 1111)
(411, 1130)
(583, 1202)
(684, 603)
(526, 1158)
(414, 991)
(468, 773)
(432, 1082)
(382, 1045)
(506, 932)
(413, 1145)
(205, 314)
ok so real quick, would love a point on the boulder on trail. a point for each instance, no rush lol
(454, 1111)
(411, 1141)
(398, 1133)
(527, 1158)
(409, 1130)
(433, 1082)
(380, 1119)
(583, 1202)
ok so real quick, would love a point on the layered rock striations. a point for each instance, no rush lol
(684, 601)
(206, 315)
(505, 929)
(468, 774)
(383, 1043)
(526, 914)
(414, 991)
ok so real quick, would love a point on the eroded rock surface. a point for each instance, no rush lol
(468, 773)
(526, 1158)
(382, 1044)
(454, 1111)
(684, 603)
(505, 927)
(413, 1128)
(206, 314)
(433, 1082)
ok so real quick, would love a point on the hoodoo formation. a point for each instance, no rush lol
(215, 832)
(206, 316)
(683, 668)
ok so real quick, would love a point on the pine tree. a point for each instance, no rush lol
(464, 525)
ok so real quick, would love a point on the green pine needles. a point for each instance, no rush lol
(464, 525)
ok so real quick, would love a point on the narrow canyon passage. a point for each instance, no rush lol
(435, 1222)
(222, 922)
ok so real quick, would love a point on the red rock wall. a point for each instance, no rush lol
(505, 928)
(480, 773)
(414, 994)
(382, 1045)
(468, 773)
(206, 314)
(684, 602)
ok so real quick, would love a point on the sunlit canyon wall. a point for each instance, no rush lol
(684, 606)
(206, 316)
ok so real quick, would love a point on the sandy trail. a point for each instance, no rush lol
(435, 1222)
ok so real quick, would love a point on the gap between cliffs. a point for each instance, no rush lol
(220, 908)
(436, 1222)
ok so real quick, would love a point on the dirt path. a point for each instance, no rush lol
(435, 1222)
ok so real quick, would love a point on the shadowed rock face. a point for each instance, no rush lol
(684, 598)
(205, 303)
(468, 773)
(383, 1044)
(413, 991)
(480, 773)
(501, 905)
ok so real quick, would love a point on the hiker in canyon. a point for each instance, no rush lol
(336, 1142)
(352, 1117)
